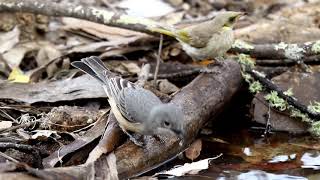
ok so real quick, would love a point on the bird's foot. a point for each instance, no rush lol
(207, 70)
(204, 62)
(136, 140)
(217, 62)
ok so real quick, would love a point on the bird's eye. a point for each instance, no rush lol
(232, 19)
(166, 124)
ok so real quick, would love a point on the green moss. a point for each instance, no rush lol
(246, 60)
(275, 101)
(298, 114)
(315, 128)
(255, 87)
(247, 77)
(315, 108)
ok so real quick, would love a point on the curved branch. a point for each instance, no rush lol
(81, 12)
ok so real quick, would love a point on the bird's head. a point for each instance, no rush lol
(166, 119)
(228, 18)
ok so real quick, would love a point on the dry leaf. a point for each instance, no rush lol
(5, 124)
(14, 56)
(132, 67)
(9, 39)
(18, 76)
(46, 53)
(44, 134)
(194, 150)
(190, 168)
(98, 30)
(167, 87)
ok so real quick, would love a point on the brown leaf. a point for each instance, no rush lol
(14, 56)
(63, 90)
(84, 140)
(194, 150)
(110, 140)
(9, 39)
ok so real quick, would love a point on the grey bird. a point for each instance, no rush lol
(135, 108)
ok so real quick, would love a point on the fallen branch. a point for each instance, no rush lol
(26, 149)
(287, 62)
(92, 14)
(278, 51)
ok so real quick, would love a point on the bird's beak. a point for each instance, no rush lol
(239, 15)
(180, 135)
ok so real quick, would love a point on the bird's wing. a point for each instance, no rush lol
(199, 35)
(113, 85)
(135, 103)
(115, 89)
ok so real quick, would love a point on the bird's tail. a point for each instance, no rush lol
(165, 30)
(95, 68)
(180, 35)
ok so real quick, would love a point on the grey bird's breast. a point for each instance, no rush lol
(217, 46)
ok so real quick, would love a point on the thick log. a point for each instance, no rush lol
(201, 100)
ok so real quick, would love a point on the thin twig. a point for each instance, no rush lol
(9, 158)
(158, 61)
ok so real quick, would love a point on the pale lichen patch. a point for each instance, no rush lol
(242, 45)
(291, 51)
(104, 14)
(316, 47)
(281, 45)
(78, 8)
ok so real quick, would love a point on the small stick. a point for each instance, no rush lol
(158, 61)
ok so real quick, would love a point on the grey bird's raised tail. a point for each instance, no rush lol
(94, 67)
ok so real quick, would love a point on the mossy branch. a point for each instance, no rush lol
(270, 86)
(293, 52)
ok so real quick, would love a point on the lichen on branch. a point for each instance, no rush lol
(93, 14)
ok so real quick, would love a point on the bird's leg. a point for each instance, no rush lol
(209, 63)
(218, 61)
(133, 139)
(209, 68)
(204, 62)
